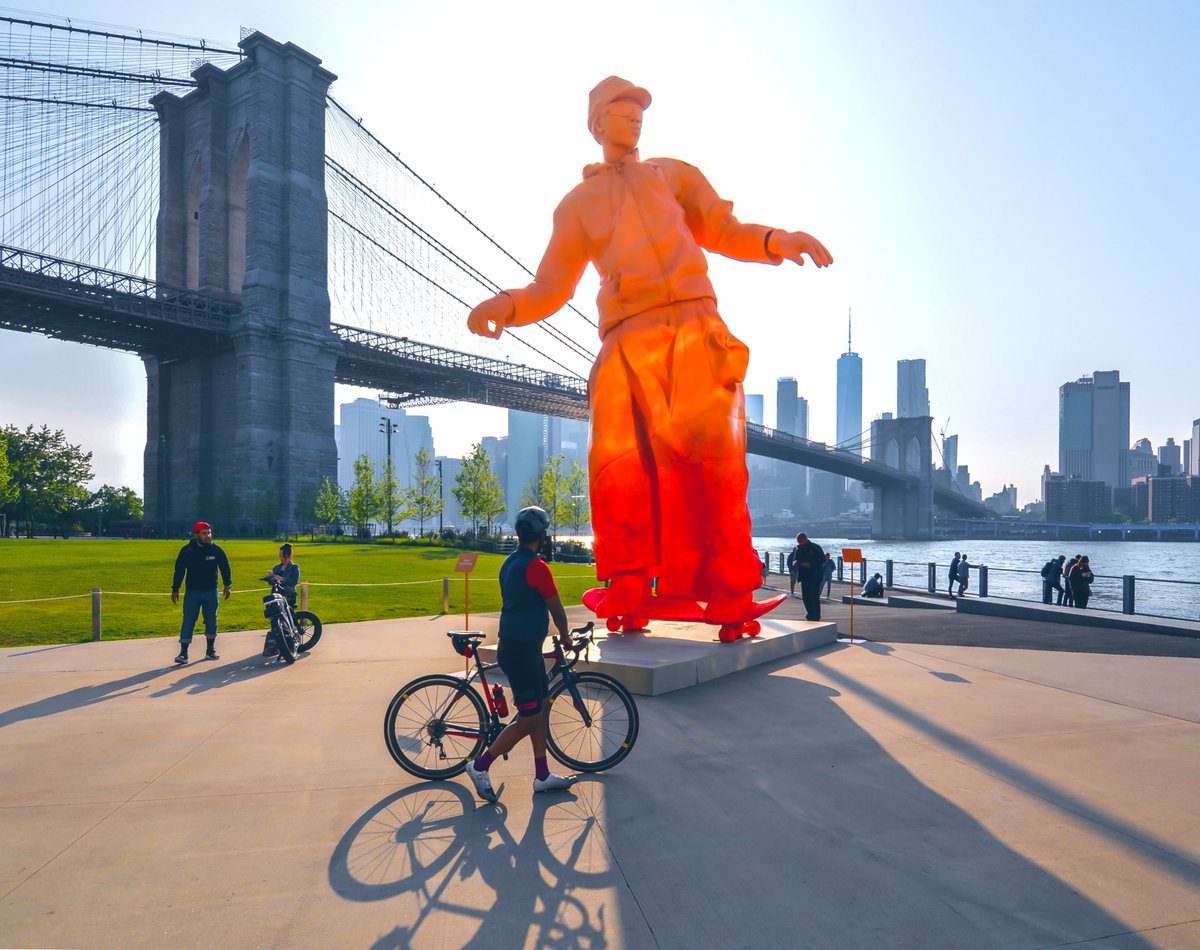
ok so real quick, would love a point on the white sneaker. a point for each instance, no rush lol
(482, 782)
(554, 783)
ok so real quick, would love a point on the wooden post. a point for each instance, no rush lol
(445, 595)
(95, 613)
(304, 595)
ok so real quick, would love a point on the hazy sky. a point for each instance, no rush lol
(1009, 188)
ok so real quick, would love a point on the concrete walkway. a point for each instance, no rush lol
(888, 794)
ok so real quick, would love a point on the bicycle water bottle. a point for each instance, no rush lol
(500, 702)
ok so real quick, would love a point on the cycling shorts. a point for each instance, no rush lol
(525, 667)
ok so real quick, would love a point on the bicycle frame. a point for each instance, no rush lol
(561, 667)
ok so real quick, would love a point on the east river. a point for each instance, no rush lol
(1014, 567)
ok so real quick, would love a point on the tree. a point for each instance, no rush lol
(362, 501)
(7, 491)
(579, 511)
(477, 489)
(46, 473)
(265, 507)
(424, 496)
(108, 504)
(305, 506)
(391, 498)
(552, 490)
(329, 506)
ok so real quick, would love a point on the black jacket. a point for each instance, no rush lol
(200, 562)
(814, 556)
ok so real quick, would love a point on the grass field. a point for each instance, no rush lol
(346, 582)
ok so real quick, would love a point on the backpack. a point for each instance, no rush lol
(1047, 568)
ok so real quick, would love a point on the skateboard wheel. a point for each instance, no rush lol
(753, 628)
(729, 632)
(613, 624)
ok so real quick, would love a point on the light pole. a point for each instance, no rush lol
(386, 425)
(441, 498)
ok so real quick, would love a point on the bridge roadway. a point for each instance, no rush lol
(80, 303)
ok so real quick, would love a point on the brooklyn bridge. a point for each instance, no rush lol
(216, 211)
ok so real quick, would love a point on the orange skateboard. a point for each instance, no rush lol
(683, 610)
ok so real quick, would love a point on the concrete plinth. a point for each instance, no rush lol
(672, 656)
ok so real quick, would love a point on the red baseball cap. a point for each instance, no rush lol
(200, 526)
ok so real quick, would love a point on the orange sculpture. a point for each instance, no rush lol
(667, 459)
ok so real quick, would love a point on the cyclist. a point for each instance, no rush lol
(529, 599)
(287, 574)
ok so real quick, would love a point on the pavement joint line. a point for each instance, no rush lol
(1119, 933)
(1022, 780)
(1061, 689)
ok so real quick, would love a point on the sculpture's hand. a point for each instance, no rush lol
(491, 317)
(793, 245)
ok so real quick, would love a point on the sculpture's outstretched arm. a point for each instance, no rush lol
(793, 245)
(554, 284)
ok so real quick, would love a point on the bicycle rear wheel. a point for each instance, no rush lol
(308, 630)
(613, 729)
(434, 726)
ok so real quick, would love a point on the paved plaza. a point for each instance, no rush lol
(958, 782)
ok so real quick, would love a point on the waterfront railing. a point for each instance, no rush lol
(1127, 594)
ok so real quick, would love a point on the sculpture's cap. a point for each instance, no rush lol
(610, 90)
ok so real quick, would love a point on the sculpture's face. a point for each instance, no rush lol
(621, 124)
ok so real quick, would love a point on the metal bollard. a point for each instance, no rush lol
(95, 613)
(445, 595)
(889, 576)
(1127, 594)
(983, 574)
(932, 578)
(862, 571)
(839, 572)
(304, 595)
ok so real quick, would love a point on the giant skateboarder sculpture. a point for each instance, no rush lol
(667, 459)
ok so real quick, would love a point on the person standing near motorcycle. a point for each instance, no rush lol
(529, 600)
(199, 561)
(287, 574)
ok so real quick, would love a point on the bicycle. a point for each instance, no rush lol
(436, 724)
(295, 631)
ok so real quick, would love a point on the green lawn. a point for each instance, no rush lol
(346, 582)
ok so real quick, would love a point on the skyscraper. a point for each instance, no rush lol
(912, 397)
(785, 405)
(849, 398)
(754, 408)
(1093, 429)
(1194, 453)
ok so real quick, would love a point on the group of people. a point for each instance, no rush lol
(197, 567)
(1072, 580)
(809, 565)
(960, 574)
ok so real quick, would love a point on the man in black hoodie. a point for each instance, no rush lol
(200, 560)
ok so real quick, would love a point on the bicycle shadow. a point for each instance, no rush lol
(430, 841)
(227, 674)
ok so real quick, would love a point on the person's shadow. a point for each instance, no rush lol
(794, 828)
(82, 696)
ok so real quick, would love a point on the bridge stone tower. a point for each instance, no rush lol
(238, 435)
(906, 444)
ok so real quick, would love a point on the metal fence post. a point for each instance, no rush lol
(932, 577)
(1127, 591)
(304, 595)
(95, 613)
(840, 578)
(983, 574)
(445, 595)
(890, 574)
(862, 571)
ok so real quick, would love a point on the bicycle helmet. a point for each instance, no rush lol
(531, 524)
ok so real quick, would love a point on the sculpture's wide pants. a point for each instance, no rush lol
(668, 453)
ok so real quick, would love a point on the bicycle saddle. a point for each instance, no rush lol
(465, 643)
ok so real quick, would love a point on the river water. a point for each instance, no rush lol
(1167, 572)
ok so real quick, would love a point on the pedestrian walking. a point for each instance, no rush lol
(197, 566)
(1052, 572)
(953, 575)
(828, 569)
(810, 572)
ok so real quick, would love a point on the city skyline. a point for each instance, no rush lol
(1005, 188)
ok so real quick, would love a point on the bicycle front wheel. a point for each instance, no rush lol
(283, 640)
(308, 630)
(434, 726)
(613, 724)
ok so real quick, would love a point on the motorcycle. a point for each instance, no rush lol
(294, 631)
